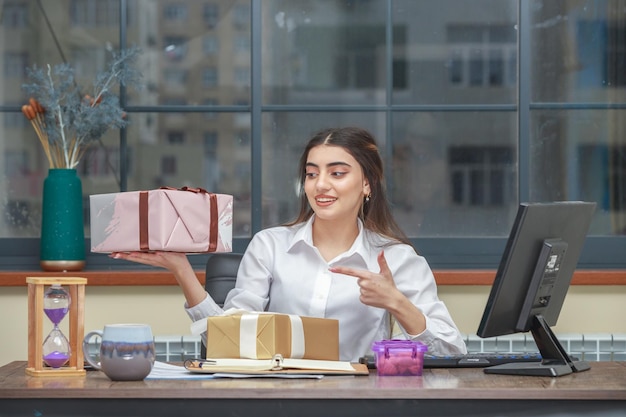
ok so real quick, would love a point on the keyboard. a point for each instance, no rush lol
(469, 360)
(478, 360)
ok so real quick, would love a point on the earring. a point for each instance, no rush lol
(367, 197)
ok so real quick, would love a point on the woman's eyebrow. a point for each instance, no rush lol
(330, 164)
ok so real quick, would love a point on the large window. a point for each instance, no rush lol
(477, 105)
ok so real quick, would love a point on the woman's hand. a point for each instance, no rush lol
(377, 289)
(172, 261)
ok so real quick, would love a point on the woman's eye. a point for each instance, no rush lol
(338, 174)
(310, 174)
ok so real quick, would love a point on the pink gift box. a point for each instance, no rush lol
(189, 220)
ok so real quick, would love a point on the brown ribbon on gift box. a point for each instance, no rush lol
(143, 216)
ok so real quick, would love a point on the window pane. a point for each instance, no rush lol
(193, 51)
(284, 138)
(451, 181)
(456, 51)
(581, 155)
(323, 52)
(84, 29)
(579, 51)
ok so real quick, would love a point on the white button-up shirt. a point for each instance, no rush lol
(282, 272)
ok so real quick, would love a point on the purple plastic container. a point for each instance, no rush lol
(399, 357)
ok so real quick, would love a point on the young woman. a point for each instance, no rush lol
(344, 257)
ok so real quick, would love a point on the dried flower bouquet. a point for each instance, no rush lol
(68, 122)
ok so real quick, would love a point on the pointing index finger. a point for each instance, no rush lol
(345, 271)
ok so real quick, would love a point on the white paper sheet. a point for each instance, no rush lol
(162, 370)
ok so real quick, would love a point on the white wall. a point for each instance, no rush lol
(588, 309)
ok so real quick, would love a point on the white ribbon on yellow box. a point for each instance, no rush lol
(248, 329)
(250, 335)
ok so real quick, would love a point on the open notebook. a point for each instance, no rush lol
(276, 365)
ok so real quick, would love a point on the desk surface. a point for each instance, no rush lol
(603, 388)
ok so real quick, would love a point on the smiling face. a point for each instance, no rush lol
(334, 183)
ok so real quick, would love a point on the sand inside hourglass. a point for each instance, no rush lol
(56, 349)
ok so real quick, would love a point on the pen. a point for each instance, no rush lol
(198, 363)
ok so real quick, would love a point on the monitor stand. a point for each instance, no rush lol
(555, 360)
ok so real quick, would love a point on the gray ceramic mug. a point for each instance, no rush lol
(126, 351)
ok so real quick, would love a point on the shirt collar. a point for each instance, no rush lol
(304, 235)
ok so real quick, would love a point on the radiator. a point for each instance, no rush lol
(589, 347)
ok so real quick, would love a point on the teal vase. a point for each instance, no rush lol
(62, 230)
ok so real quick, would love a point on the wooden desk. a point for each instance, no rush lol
(447, 392)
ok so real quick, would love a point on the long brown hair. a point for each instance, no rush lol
(376, 213)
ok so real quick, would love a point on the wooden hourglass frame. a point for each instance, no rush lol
(76, 313)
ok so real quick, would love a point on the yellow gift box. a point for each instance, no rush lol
(263, 335)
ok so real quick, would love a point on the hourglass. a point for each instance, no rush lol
(56, 348)
(56, 355)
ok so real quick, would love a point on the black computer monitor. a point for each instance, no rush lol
(532, 281)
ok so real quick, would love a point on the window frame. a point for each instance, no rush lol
(599, 252)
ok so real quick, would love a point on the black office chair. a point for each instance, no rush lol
(221, 274)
